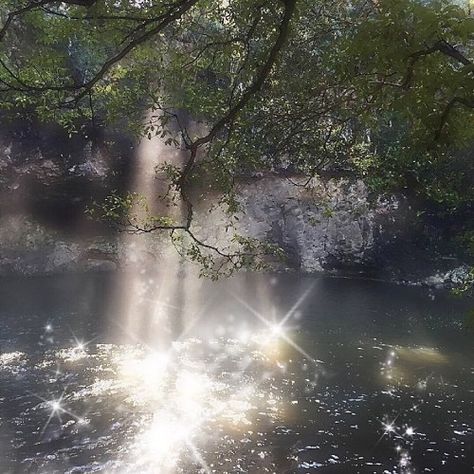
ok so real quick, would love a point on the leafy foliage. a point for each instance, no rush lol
(382, 88)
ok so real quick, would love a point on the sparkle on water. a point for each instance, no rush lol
(257, 396)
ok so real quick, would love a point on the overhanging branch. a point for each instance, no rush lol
(174, 12)
(440, 46)
(38, 4)
(252, 90)
(466, 102)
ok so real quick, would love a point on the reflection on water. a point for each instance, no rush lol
(335, 376)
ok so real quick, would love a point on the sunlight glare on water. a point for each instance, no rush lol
(245, 389)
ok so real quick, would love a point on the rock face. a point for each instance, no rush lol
(331, 225)
(327, 226)
(323, 226)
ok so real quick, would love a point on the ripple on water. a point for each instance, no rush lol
(250, 404)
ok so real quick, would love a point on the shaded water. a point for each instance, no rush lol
(361, 377)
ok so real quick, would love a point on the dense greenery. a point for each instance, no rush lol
(379, 88)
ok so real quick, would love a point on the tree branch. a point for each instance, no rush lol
(38, 4)
(466, 102)
(12, 15)
(226, 120)
(176, 11)
(441, 46)
(284, 27)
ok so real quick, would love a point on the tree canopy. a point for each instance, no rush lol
(381, 88)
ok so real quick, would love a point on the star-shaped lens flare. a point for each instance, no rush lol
(278, 328)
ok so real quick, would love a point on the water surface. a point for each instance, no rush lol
(259, 374)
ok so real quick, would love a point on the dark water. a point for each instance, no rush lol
(362, 377)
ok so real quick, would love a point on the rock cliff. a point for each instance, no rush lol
(332, 225)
